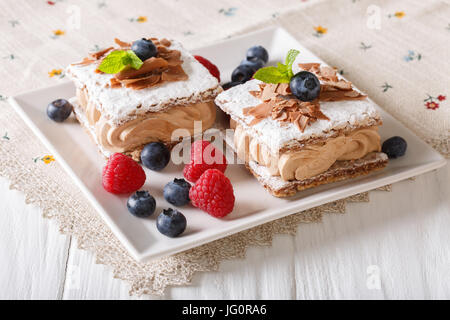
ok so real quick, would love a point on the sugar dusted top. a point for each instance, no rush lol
(343, 115)
(122, 104)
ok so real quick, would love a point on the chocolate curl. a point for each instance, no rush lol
(146, 82)
(99, 54)
(122, 44)
(93, 57)
(165, 42)
(85, 62)
(280, 105)
(332, 88)
(309, 66)
(115, 83)
(166, 66)
(173, 58)
(341, 95)
(149, 65)
(175, 73)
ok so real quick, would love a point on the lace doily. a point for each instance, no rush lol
(31, 170)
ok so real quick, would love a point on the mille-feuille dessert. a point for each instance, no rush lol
(289, 144)
(145, 101)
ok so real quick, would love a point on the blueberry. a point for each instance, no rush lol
(171, 222)
(155, 156)
(141, 204)
(255, 64)
(257, 52)
(242, 74)
(305, 86)
(394, 147)
(177, 192)
(59, 110)
(231, 84)
(144, 49)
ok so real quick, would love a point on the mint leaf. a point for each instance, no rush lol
(113, 63)
(271, 75)
(117, 60)
(126, 60)
(135, 61)
(290, 58)
(282, 68)
(282, 73)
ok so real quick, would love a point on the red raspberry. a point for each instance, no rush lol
(213, 193)
(204, 156)
(212, 68)
(122, 175)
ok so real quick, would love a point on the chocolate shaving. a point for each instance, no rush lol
(302, 121)
(115, 83)
(174, 73)
(331, 87)
(341, 95)
(146, 82)
(309, 66)
(283, 88)
(279, 104)
(93, 57)
(85, 61)
(149, 66)
(122, 44)
(162, 49)
(328, 73)
(128, 82)
(165, 67)
(173, 58)
(165, 42)
(99, 54)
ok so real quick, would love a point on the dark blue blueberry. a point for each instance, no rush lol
(144, 49)
(305, 86)
(155, 156)
(242, 74)
(177, 192)
(59, 110)
(255, 64)
(257, 52)
(141, 204)
(231, 84)
(394, 147)
(171, 223)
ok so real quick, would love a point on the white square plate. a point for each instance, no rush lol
(79, 156)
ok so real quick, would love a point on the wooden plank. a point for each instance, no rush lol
(87, 280)
(265, 273)
(402, 236)
(402, 233)
(33, 253)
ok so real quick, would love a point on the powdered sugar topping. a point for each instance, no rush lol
(119, 105)
(276, 135)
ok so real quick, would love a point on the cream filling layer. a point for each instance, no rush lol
(310, 160)
(157, 126)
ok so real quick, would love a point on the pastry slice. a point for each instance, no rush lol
(291, 145)
(126, 110)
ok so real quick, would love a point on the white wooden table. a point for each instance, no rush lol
(396, 246)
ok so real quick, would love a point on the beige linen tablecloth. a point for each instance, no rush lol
(396, 51)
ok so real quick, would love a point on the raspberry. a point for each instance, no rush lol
(204, 156)
(213, 193)
(122, 175)
(212, 68)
